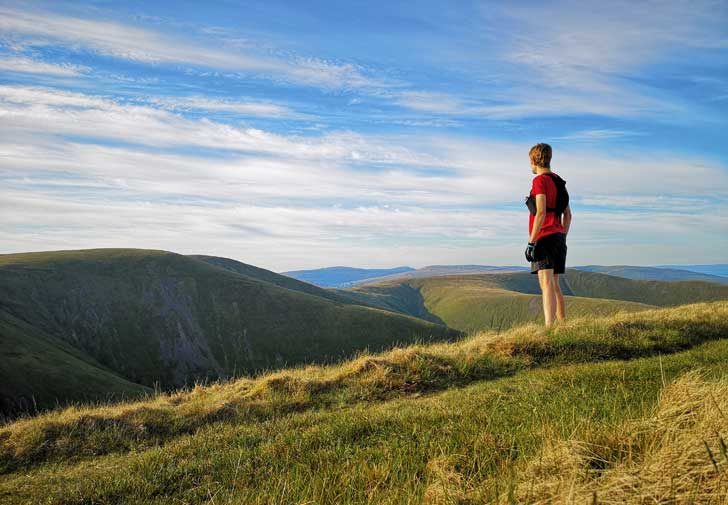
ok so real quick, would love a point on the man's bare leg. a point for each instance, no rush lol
(560, 305)
(546, 280)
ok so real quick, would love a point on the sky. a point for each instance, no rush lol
(293, 135)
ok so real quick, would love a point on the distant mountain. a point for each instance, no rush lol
(653, 273)
(718, 269)
(339, 277)
(344, 277)
(442, 270)
(93, 323)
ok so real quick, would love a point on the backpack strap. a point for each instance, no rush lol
(553, 177)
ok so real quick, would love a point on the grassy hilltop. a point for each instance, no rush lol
(628, 408)
(77, 325)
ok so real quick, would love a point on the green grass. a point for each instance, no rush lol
(315, 425)
(38, 370)
(501, 300)
(486, 301)
(660, 293)
(154, 317)
(475, 439)
(261, 274)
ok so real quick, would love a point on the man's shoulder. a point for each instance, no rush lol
(541, 178)
(545, 175)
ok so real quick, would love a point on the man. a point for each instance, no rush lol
(547, 233)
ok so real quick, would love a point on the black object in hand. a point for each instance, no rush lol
(530, 252)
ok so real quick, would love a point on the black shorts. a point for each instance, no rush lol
(550, 252)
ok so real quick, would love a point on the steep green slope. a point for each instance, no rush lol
(283, 281)
(38, 371)
(362, 432)
(159, 317)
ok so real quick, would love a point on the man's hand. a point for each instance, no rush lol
(530, 250)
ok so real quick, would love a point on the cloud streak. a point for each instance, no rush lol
(23, 27)
(31, 66)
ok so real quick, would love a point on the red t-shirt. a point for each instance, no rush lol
(542, 184)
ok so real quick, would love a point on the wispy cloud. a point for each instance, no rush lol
(575, 58)
(599, 134)
(443, 169)
(244, 108)
(591, 46)
(118, 40)
(31, 66)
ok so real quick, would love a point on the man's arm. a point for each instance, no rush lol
(540, 216)
(566, 220)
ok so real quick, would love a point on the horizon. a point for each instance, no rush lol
(676, 266)
(289, 136)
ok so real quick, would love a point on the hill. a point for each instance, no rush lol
(486, 301)
(340, 277)
(443, 270)
(344, 277)
(653, 273)
(660, 293)
(39, 371)
(283, 281)
(500, 300)
(523, 416)
(159, 318)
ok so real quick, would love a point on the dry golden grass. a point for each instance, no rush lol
(678, 455)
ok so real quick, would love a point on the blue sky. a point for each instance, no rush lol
(307, 134)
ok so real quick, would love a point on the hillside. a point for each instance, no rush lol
(522, 416)
(500, 300)
(660, 293)
(37, 370)
(159, 318)
(442, 270)
(284, 281)
(476, 302)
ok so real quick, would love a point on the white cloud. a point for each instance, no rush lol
(589, 45)
(425, 101)
(154, 47)
(295, 202)
(440, 170)
(285, 237)
(599, 134)
(30, 66)
(576, 58)
(245, 108)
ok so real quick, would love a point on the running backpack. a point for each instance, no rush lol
(562, 197)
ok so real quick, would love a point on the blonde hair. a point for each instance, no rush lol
(540, 154)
